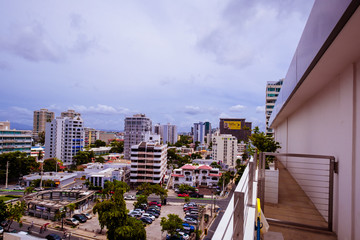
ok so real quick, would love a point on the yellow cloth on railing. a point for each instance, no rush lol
(260, 214)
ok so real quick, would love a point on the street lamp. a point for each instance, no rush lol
(62, 212)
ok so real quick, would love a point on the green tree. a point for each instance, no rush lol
(99, 143)
(83, 157)
(226, 178)
(28, 190)
(184, 141)
(215, 165)
(142, 199)
(41, 136)
(100, 159)
(20, 164)
(71, 207)
(184, 188)
(50, 165)
(112, 213)
(15, 211)
(117, 147)
(171, 224)
(4, 214)
(197, 143)
(195, 156)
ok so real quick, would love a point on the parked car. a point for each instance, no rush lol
(39, 189)
(149, 215)
(174, 237)
(134, 214)
(191, 212)
(140, 210)
(183, 195)
(155, 207)
(1, 230)
(192, 216)
(71, 221)
(87, 215)
(176, 190)
(53, 236)
(155, 214)
(146, 220)
(187, 226)
(190, 204)
(190, 209)
(196, 195)
(18, 188)
(81, 218)
(155, 203)
(190, 220)
(129, 197)
(184, 235)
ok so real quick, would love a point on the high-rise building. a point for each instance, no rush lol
(41, 117)
(199, 132)
(225, 149)
(70, 113)
(64, 138)
(91, 135)
(148, 162)
(14, 140)
(236, 127)
(135, 129)
(272, 91)
(168, 133)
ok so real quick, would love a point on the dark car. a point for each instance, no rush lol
(81, 218)
(196, 195)
(155, 208)
(53, 236)
(174, 237)
(146, 220)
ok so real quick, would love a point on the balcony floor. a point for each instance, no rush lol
(289, 208)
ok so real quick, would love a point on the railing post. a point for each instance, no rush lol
(250, 183)
(262, 196)
(331, 193)
(238, 218)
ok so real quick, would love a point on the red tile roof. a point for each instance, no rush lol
(177, 175)
(205, 167)
(188, 167)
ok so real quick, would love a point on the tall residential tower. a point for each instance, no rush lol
(272, 91)
(41, 117)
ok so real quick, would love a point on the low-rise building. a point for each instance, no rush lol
(98, 179)
(148, 162)
(14, 140)
(191, 175)
(60, 178)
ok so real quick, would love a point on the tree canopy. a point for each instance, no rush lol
(50, 165)
(112, 213)
(117, 147)
(171, 224)
(20, 164)
(83, 157)
(184, 141)
(262, 142)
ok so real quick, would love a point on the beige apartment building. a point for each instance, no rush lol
(41, 117)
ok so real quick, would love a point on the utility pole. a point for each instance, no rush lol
(42, 168)
(7, 173)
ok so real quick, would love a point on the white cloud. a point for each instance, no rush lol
(237, 108)
(23, 111)
(192, 110)
(260, 109)
(100, 108)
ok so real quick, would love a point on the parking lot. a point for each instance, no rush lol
(153, 231)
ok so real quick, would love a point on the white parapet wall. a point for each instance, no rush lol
(272, 186)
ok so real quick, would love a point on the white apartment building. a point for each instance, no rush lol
(168, 133)
(148, 163)
(135, 129)
(199, 132)
(191, 175)
(225, 149)
(272, 92)
(98, 179)
(64, 137)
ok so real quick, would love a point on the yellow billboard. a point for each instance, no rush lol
(233, 125)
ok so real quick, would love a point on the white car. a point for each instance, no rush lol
(149, 216)
(129, 197)
(139, 210)
(18, 188)
(185, 236)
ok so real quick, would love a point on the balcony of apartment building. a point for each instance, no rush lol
(295, 196)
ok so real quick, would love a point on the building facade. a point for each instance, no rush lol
(70, 114)
(135, 129)
(14, 140)
(236, 127)
(64, 138)
(148, 163)
(191, 175)
(272, 92)
(41, 117)
(317, 111)
(168, 133)
(199, 132)
(91, 135)
(225, 150)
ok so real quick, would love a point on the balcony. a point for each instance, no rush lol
(303, 209)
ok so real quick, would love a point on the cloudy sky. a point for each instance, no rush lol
(176, 61)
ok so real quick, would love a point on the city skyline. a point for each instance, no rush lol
(178, 63)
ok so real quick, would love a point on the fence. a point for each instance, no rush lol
(305, 190)
(239, 217)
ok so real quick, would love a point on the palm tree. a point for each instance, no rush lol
(28, 190)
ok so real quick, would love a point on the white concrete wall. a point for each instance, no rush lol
(327, 124)
(272, 186)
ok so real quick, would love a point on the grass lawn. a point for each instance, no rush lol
(5, 198)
